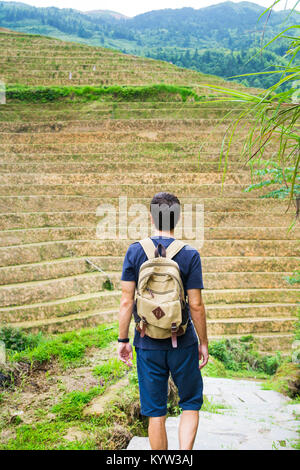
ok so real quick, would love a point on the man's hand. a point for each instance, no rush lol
(203, 354)
(125, 353)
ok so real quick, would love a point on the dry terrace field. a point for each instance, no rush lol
(61, 158)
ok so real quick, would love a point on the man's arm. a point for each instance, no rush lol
(126, 307)
(198, 315)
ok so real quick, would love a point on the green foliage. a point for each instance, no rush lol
(45, 94)
(45, 436)
(237, 355)
(214, 368)
(218, 40)
(68, 347)
(294, 278)
(17, 340)
(273, 115)
(112, 369)
(71, 406)
(286, 380)
(108, 285)
(276, 175)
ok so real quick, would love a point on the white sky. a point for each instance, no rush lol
(134, 7)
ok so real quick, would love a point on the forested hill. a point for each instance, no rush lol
(219, 39)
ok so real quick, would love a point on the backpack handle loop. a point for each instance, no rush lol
(163, 251)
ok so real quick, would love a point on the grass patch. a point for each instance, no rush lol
(45, 436)
(214, 368)
(286, 380)
(72, 404)
(110, 370)
(44, 94)
(239, 356)
(212, 407)
(17, 340)
(111, 430)
(68, 347)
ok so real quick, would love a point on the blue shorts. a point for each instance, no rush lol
(153, 369)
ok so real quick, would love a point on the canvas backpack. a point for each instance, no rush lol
(160, 305)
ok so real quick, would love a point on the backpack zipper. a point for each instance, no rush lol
(161, 274)
(162, 264)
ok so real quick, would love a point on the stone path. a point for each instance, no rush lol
(255, 419)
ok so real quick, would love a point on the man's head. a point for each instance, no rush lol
(165, 211)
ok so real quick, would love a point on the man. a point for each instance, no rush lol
(156, 358)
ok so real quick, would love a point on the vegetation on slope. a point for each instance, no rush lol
(218, 40)
(90, 93)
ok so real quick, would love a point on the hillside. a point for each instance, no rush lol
(220, 39)
(37, 60)
(66, 151)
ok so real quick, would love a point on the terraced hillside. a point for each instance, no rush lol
(37, 60)
(61, 160)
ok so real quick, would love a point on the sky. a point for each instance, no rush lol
(134, 7)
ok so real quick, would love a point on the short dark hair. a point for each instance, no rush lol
(165, 210)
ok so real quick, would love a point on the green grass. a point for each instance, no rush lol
(111, 430)
(45, 436)
(68, 347)
(46, 94)
(241, 358)
(286, 380)
(112, 369)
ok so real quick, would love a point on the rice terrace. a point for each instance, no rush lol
(83, 126)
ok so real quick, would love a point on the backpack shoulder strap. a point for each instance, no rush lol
(148, 247)
(174, 248)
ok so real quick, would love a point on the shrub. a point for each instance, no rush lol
(239, 354)
(17, 340)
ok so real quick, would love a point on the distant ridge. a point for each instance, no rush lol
(105, 14)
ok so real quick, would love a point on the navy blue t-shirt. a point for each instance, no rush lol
(189, 262)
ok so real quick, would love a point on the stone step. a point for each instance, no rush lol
(239, 326)
(214, 300)
(250, 311)
(118, 178)
(96, 219)
(63, 307)
(15, 235)
(88, 108)
(151, 148)
(70, 322)
(265, 342)
(111, 299)
(63, 111)
(112, 155)
(85, 167)
(211, 140)
(98, 126)
(72, 266)
(37, 252)
(44, 291)
(215, 190)
(110, 112)
(245, 326)
(73, 203)
(54, 289)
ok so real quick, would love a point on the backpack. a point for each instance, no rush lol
(160, 306)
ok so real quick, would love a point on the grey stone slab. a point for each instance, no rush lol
(256, 420)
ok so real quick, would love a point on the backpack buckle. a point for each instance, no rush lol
(174, 335)
(144, 321)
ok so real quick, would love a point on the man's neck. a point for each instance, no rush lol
(159, 233)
